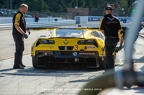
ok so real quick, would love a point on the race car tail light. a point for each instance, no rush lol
(42, 53)
(87, 53)
(87, 42)
(45, 41)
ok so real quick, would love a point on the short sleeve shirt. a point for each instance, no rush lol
(18, 19)
(110, 25)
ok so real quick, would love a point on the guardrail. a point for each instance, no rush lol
(6, 22)
(45, 22)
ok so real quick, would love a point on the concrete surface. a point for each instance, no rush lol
(31, 81)
(36, 82)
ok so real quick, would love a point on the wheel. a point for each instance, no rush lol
(39, 62)
(35, 62)
(101, 63)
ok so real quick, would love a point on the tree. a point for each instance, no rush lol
(62, 5)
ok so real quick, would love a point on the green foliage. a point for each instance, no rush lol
(62, 5)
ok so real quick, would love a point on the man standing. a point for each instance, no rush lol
(111, 28)
(36, 17)
(19, 33)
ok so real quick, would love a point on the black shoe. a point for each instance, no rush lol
(140, 85)
(18, 67)
(22, 65)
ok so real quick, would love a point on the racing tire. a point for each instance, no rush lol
(35, 62)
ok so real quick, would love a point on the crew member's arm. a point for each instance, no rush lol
(19, 29)
(121, 37)
(17, 24)
(28, 30)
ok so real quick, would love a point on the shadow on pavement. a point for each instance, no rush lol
(140, 60)
(43, 72)
(137, 89)
(9, 69)
(83, 80)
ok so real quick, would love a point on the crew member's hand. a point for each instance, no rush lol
(25, 35)
(28, 30)
(118, 48)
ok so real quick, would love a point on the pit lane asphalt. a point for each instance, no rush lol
(36, 82)
(7, 47)
(31, 81)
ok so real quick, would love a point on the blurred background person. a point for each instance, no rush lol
(36, 16)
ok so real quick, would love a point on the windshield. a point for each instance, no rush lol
(69, 33)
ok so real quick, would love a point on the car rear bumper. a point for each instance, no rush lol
(66, 54)
(55, 58)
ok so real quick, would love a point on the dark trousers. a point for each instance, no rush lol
(19, 48)
(110, 45)
(36, 19)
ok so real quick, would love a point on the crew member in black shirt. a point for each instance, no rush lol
(111, 28)
(19, 33)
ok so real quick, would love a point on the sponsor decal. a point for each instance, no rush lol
(65, 42)
(102, 49)
(74, 53)
(90, 47)
(76, 47)
(88, 53)
(48, 46)
(51, 47)
(85, 47)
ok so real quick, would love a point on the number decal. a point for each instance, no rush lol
(76, 47)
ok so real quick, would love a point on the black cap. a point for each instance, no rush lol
(108, 8)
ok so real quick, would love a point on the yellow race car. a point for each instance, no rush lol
(69, 47)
